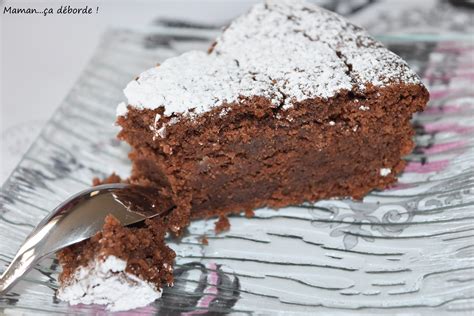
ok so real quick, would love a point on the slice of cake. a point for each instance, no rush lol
(120, 267)
(292, 103)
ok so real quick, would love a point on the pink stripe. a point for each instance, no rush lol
(438, 148)
(400, 186)
(445, 109)
(206, 300)
(434, 166)
(139, 311)
(451, 48)
(464, 105)
(463, 71)
(100, 310)
(442, 93)
(449, 77)
(439, 94)
(437, 127)
(465, 65)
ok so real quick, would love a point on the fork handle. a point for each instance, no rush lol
(16, 269)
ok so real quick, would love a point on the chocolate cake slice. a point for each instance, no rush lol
(292, 103)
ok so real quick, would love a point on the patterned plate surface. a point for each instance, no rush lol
(406, 250)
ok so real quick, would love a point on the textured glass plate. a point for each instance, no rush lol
(407, 250)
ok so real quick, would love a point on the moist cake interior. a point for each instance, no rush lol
(257, 156)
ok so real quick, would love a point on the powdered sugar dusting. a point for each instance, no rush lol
(385, 172)
(105, 282)
(121, 109)
(286, 51)
(194, 80)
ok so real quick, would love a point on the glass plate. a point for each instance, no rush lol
(405, 250)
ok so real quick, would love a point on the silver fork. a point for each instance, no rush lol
(80, 217)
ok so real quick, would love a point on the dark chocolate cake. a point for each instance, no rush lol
(291, 104)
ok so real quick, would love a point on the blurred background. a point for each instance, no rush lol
(42, 56)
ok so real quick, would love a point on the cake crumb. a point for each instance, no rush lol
(122, 109)
(222, 224)
(167, 149)
(249, 213)
(113, 178)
